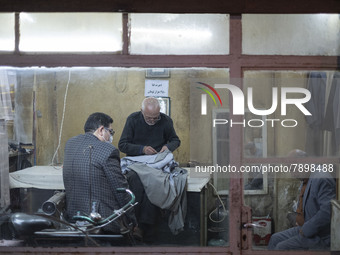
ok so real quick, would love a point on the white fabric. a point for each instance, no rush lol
(40, 177)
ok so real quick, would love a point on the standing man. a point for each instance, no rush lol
(146, 132)
(313, 219)
(92, 173)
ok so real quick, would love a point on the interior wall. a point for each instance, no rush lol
(115, 91)
(201, 126)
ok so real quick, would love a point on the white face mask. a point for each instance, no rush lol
(110, 139)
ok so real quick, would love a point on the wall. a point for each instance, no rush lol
(115, 91)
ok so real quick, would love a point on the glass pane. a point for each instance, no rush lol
(179, 34)
(281, 118)
(44, 120)
(7, 32)
(4, 187)
(276, 210)
(210, 147)
(70, 32)
(284, 117)
(292, 34)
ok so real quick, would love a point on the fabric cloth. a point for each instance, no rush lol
(164, 161)
(332, 115)
(317, 83)
(91, 173)
(146, 212)
(137, 134)
(39, 177)
(320, 190)
(166, 193)
(164, 185)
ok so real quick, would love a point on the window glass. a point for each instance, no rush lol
(292, 34)
(291, 110)
(51, 107)
(70, 32)
(6, 32)
(278, 126)
(179, 34)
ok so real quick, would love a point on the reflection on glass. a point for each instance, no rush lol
(179, 34)
(323, 132)
(255, 136)
(70, 32)
(312, 126)
(6, 32)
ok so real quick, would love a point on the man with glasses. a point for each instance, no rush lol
(92, 173)
(147, 132)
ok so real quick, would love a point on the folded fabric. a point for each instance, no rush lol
(166, 191)
(163, 160)
(164, 184)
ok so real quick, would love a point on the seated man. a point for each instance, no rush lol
(312, 230)
(92, 173)
(146, 132)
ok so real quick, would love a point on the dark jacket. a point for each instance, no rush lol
(92, 173)
(137, 134)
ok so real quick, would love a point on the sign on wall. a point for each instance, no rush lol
(156, 88)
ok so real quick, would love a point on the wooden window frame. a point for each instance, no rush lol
(240, 240)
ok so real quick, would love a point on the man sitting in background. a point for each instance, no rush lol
(312, 230)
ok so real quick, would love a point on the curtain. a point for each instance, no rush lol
(6, 106)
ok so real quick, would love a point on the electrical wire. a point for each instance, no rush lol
(223, 206)
(63, 116)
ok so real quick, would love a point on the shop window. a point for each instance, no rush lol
(7, 32)
(70, 32)
(285, 129)
(255, 181)
(292, 34)
(181, 34)
(45, 106)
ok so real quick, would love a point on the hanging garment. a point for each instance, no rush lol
(316, 106)
(164, 184)
(332, 115)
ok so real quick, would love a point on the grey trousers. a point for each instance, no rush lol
(291, 239)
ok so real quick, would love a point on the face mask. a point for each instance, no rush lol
(110, 139)
(111, 135)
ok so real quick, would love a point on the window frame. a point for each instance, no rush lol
(240, 240)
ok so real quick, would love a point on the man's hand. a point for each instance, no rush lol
(148, 150)
(164, 148)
